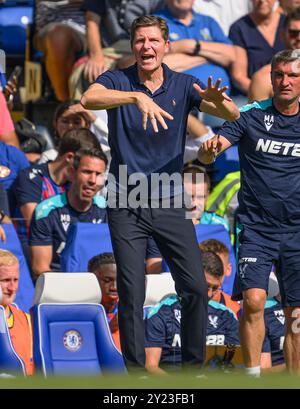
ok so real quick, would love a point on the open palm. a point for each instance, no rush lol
(213, 93)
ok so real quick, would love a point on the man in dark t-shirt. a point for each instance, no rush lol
(267, 134)
(148, 105)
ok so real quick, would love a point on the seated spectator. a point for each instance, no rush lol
(222, 251)
(224, 12)
(105, 269)
(197, 187)
(40, 182)
(260, 86)
(108, 41)
(256, 38)
(71, 115)
(60, 35)
(18, 322)
(52, 217)
(198, 45)
(7, 129)
(162, 325)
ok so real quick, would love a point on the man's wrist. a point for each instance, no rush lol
(197, 48)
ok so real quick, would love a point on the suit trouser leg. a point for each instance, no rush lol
(130, 230)
(176, 239)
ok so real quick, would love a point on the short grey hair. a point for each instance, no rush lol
(285, 56)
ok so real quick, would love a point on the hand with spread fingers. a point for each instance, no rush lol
(213, 93)
(151, 111)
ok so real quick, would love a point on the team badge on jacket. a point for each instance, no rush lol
(269, 121)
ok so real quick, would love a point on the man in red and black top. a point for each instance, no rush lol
(40, 182)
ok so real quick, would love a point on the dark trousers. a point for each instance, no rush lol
(176, 239)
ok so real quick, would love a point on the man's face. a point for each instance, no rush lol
(149, 48)
(197, 195)
(285, 79)
(263, 7)
(107, 277)
(88, 179)
(291, 35)
(214, 285)
(9, 282)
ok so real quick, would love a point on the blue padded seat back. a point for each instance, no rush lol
(73, 339)
(84, 241)
(10, 362)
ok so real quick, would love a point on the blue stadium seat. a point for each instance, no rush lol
(70, 330)
(10, 362)
(14, 18)
(25, 292)
(217, 232)
(84, 241)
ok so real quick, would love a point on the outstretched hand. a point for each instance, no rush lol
(213, 93)
(151, 110)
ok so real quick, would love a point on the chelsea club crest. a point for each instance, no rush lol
(72, 340)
